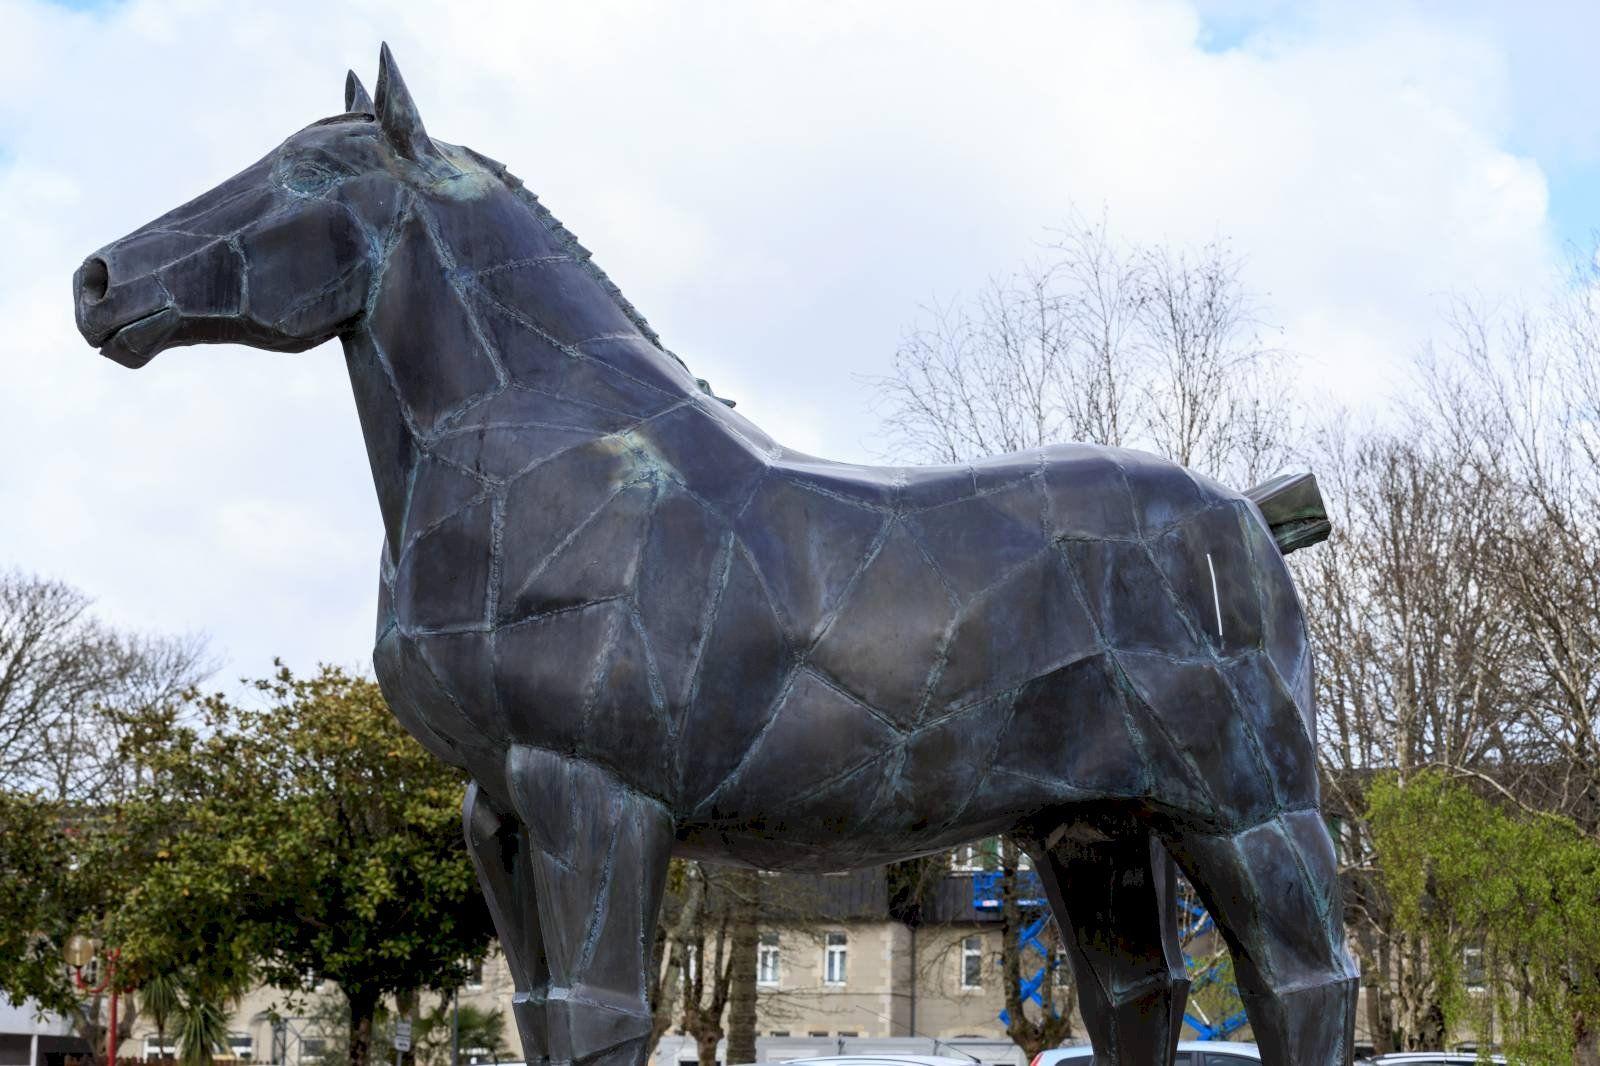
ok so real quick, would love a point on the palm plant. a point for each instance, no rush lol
(202, 1029)
(194, 1007)
(477, 1028)
(161, 998)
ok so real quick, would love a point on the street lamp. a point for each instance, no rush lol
(79, 951)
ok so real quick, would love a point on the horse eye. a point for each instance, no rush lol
(309, 178)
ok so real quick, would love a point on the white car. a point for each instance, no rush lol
(1190, 1053)
(878, 1060)
(1430, 1058)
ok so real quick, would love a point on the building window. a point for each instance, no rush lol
(818, 1032)
(155, 1050)
(241, 1046)
(474, 975)
(767, 960)
(972, 858)
(1472, 974)
(779, 1033)
(972, 962)
(313, 1048)
(848, 1032)
(835, 959)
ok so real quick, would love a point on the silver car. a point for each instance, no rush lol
(1190, 1053)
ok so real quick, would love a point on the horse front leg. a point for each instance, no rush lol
(597, 860)
(500, 850)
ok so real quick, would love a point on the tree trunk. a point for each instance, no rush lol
(674, 980)
(363, 1009)
(702, 1015)
(1585, 1042)
(745, 887)
(87, 1024)
(662, 978)
(1051, 1028)
(705, 1044)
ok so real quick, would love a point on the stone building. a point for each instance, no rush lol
(851, 970)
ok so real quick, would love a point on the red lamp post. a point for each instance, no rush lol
(79, 950)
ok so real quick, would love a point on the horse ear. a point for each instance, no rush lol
(397, 115)
(356, 99)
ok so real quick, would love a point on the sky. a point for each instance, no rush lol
(779, 187)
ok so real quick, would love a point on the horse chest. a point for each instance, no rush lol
(513, 620)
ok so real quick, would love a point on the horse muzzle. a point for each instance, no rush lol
(133, 298)
(129, 322)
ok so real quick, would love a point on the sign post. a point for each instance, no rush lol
(402, 1039)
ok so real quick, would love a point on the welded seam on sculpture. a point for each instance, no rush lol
(658, 692)
(721, 572)
(453, 279)
(574, 533)
(833, 684)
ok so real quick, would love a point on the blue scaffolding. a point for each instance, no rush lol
(1204, 972)
(1035, 909)
(1195, 923)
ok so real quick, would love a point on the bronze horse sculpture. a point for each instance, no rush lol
(644, 628)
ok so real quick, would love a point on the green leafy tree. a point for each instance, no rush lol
(68, 685)
(39, 901)
(62, 868)
(308, 835)
(1520, 889)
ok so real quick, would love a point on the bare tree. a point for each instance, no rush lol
(1100, 341)
(706, 965)
(1534, 381)
(1414, 652)
(68, 682)
(1213, 399)
(1031, 1030)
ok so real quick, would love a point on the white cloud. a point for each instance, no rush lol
(776, 186)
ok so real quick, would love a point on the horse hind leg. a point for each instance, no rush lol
(1116, 905)
(1273, 891)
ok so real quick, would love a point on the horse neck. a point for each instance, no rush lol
(483, 302)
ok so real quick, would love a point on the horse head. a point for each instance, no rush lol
(283, 255)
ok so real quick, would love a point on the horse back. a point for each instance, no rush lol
(908, 655)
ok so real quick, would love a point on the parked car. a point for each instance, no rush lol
(878, 1060)
(1190, 1053)
(1430, 1058)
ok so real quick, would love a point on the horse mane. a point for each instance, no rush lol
(570, 242)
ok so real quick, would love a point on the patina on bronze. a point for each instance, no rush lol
(644, 627)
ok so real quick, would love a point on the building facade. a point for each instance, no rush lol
(850, 971)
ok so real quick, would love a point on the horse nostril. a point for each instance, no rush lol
(95, 279)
